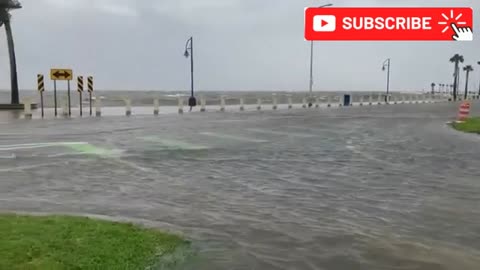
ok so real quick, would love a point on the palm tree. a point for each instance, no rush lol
(457, 59)
(5, 7)
(433, 87)
(459, 81)
(467, 69)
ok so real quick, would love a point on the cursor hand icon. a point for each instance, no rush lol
(462, 33)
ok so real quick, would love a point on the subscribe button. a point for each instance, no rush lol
(453, 24)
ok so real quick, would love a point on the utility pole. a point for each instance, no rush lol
(310, 102)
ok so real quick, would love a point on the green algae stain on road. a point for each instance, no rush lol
(89, 149)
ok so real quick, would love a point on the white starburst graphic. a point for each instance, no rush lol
(452, 17)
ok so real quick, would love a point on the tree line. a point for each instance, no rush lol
(457, 59)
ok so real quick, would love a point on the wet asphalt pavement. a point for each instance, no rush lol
(380, 187)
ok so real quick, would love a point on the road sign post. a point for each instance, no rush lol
(80, 91)
(90, 91)
(61, 75)
(55, 96)
(41, 89)
(69, 100)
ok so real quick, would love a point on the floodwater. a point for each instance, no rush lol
(380, 187)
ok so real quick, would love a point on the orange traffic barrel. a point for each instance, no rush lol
(464, 111)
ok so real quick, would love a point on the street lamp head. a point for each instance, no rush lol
(326, 5)
(386, 63)
(186, 54)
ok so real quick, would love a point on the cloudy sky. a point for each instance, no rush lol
(239, 45)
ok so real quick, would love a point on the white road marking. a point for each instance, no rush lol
(173, 144)
(233, 137)
(369, 156)
(37, 145)
(12, 156)
(89, 150)
(351, 147)
(66, 155)
(132, 165)
(21, 168)
(281, 133)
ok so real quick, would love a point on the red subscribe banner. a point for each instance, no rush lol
(395, 24)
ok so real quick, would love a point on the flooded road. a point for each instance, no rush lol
(383, 187)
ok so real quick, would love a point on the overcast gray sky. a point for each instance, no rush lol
(239, 45)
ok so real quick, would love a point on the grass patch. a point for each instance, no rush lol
(63, 242)
(472, 125)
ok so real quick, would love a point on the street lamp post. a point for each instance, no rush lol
(310, 103)
(192, 102)
(386, 64)
(478, 83)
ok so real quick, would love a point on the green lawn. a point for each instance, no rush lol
(63, 242)
(472, 125)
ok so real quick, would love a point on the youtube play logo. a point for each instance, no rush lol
(324, 23)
